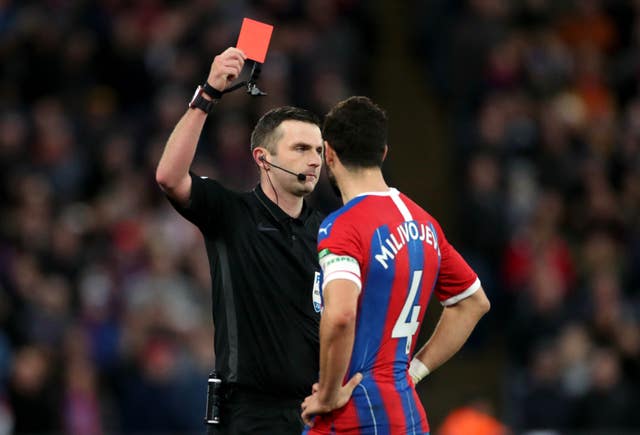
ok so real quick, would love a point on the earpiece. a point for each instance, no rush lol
(263, 160)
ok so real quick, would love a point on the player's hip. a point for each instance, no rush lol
(375, 409)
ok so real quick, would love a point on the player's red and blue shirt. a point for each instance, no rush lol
(398, 256)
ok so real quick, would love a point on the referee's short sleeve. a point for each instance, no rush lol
(207, 203)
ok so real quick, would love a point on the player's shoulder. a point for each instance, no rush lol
(342, 216)
(346, 210)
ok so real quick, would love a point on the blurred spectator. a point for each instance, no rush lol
(81, 413)
(574, 349)
(34, 392)
(610, 402)
(544, 405)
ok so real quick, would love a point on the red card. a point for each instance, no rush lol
(254, 39)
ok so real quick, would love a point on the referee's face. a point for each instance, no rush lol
(299, 149)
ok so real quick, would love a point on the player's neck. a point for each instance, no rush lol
(354, 183)
(289, 203)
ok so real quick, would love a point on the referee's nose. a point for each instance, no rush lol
(316, 160)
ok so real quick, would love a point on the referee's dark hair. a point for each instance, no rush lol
(356, 128)
(266, 133)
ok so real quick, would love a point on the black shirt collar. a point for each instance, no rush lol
(276, 211)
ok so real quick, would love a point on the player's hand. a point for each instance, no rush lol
(226, 67)
(313, 406)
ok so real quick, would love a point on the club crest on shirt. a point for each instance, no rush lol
(316, 297)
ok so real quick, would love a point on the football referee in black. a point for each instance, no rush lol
(262, 253)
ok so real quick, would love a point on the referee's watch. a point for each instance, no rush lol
(199, 102)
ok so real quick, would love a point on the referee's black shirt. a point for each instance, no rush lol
(263, 266)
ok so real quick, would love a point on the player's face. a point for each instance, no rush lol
(299, 149)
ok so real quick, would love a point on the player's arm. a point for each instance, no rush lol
(456, 323)
(337, 334)
(172, 173)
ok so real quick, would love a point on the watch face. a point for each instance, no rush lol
(195, 95)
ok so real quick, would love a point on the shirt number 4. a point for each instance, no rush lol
(407, 323)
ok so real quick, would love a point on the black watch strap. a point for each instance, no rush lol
(199, 102)
(211, 91)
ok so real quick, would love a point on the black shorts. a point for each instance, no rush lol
(250, 414)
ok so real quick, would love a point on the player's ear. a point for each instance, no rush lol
(329, 153)
(384, 154)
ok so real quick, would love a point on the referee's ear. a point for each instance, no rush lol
(259, 157)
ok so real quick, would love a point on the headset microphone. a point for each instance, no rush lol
(300, 176)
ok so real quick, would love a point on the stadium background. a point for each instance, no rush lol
(515, 122)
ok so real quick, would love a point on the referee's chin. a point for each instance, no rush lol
(304, 190)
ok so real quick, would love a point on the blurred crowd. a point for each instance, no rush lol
(105, 323)
(545, 115)
(104, 289)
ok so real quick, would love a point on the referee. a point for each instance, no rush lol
(261, 247)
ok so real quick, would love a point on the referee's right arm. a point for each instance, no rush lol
(172, 173)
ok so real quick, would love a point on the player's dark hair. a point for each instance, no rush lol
(265, 133)
(356, 129)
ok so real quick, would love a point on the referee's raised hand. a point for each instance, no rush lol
(226, 67)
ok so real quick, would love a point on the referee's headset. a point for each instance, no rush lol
(300, 176)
